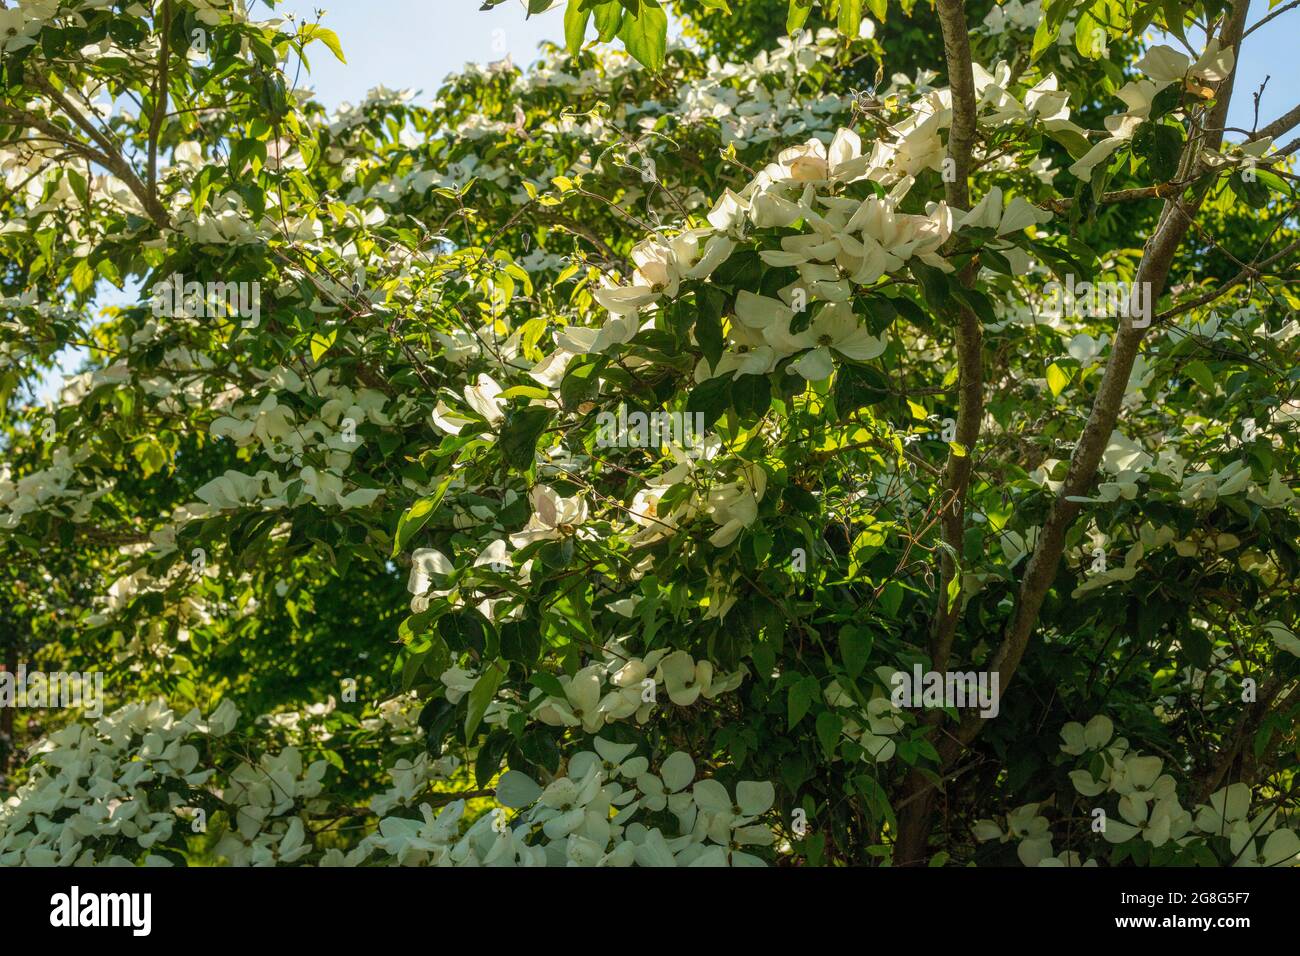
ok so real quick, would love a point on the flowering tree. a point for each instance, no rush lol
(676, 431)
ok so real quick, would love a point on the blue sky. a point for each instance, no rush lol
(414, 43)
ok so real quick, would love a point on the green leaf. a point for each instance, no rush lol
(799, 698)
(331, 39)
(575, 26)
(1200, 373)
(865, 546)
(520, 641)
(1166, 101)
(1044, 36)
(1056, 379)
(1196, 647)
(828, 731)
(548, 684)
(520, 434)
(876, 798)
(797, 15)
(1090, 34)
(200, 188)
(485, 689)
(609, 17)
(855, 648)
(1253, 193)
(83, 276)
(934, 284)
(1273, 181)
(579, 384)
(710, 398)
(1142, 18)
(646, 36)
(976, 301)
(891, 599)
(751, 395)
(708, 328)
(850, 17)
(243, 152)
(78, 184)
(1074, 144)
(794, 771)
(526, 391)
(488, 761)
(320, 344)
(150, 455)
(416, 516)
(1161, 145)
(1174, 12)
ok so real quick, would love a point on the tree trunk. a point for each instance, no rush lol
(912, 848)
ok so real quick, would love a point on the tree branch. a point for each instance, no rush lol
(108, 155)
(1250, 271)
(970, 344)
(1278, 126)
(159, 96)
(1153, 273)
(914, 820)
(1276, 13)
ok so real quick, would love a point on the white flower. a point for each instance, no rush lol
(1086, 350)
(835, 329)
(1026, 824)
(660, 267)
(1080, 739)
(485, 399)
(747, 353)
(426, 562)
(815, 162)
(1227, 808)
(675, 775)
(1164, 63)
(1016, 546)
(494, 556)
(734, 505)
(727, 211)
(581, 705)
(1156, 823)
(759, 312)
(553, 517)
(17, 30)
(1282, 848)
(1124, 454)
(989, 214)
(1067, 858)
(685, 679)
(1277, 495)
(458, 683)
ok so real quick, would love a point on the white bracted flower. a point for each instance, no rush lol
(553, 517)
